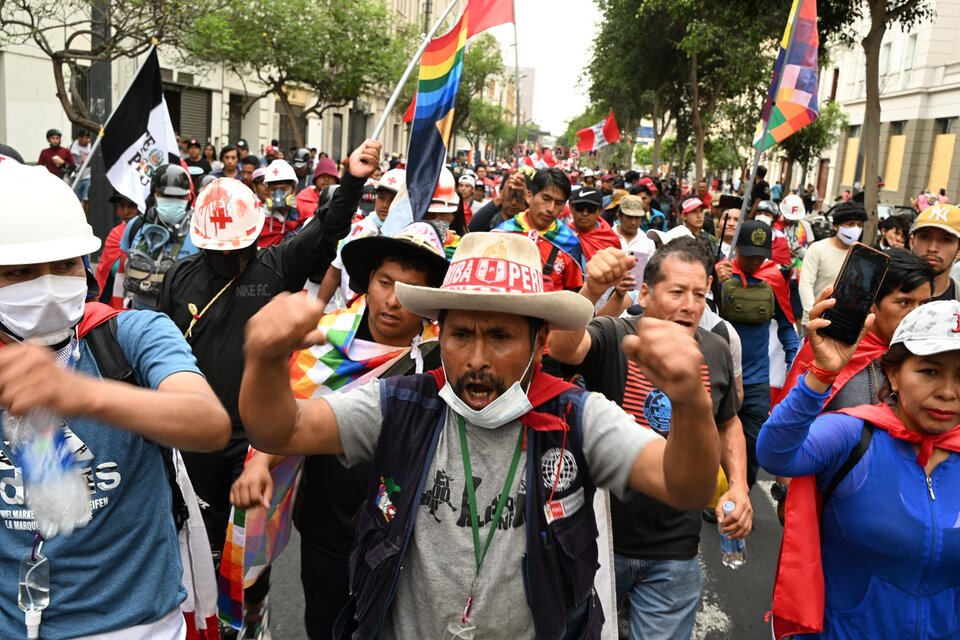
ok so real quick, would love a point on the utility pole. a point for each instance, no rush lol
(427, 14)
(101, 99)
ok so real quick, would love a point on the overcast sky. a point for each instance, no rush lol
(555, 39)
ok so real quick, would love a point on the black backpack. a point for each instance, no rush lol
(113, 365)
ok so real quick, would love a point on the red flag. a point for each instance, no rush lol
(599, 135)
(411, 110)
(548, 158)
(485, 14)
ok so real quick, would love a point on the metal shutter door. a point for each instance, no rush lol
(195, 114)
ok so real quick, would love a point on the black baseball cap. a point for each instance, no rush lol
(242, 143)
(10, 152)
(119, 197)
(193, 142)
(588, 196)
(755, 239)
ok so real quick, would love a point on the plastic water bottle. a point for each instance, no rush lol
(34, 594)
(55, 490)
(732, 551)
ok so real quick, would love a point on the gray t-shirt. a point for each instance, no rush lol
(439, 565)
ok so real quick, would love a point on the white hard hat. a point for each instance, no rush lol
(54, 228)
(791, 207)
(393, 180)
(226, 216)
(280, 171)
(445, 197)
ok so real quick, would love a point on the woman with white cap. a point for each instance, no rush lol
(885, 559)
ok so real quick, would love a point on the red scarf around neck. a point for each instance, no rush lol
(869, 349)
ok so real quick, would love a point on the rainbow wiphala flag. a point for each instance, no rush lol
(792, 101)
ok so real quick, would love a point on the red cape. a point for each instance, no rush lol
(869, 349)
(798, 590)
(770, 273)
(600, 238)
(543, 388)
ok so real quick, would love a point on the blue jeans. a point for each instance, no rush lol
(753, 413)
(83, 189)
(663, 596)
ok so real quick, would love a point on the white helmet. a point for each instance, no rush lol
(226, 216)
(445, 197)
(393, 180)
(791, 207)
(54, 229)
(280, 171)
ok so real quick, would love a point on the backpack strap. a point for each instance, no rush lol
(113, 365)
(866, 435)
(551, 259)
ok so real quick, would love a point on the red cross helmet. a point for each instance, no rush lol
(393, 180)
(279, 171)
(445, 197)
(226, 216)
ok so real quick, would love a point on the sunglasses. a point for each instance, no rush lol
(585, 208)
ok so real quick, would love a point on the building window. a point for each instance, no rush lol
(897, 128)
(910, 51)
(833, 86)
(942, 126)
(854, 131)
(885, 59)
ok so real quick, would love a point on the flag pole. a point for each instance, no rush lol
(409, 70)
(96, 143)
(516, 68)
(763, 136)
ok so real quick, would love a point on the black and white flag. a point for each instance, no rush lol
(138, 138)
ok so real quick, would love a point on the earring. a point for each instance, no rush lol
(893, 398)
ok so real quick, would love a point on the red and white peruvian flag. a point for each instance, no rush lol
(540, 159)
(599, 135)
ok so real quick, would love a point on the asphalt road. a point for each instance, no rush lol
(732, 607)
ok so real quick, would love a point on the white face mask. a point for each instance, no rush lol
(43, 310)
(849, 235)
(765, 219)
(509, 406)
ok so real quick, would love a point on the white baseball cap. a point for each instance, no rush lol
(930, 328)
(663, 237)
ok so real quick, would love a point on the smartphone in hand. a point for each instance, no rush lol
(855, 289)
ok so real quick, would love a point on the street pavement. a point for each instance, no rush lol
(732, 607)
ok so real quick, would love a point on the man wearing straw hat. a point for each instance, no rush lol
(534, 448)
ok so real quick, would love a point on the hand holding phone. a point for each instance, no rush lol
(854, 292)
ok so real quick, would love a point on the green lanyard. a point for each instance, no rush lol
(472, 499)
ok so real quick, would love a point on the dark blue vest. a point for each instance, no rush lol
(561, 556)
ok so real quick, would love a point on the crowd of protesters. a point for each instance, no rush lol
(610, 351)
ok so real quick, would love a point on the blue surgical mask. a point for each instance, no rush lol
(171, 210)
(509, 406)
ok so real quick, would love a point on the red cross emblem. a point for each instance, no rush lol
(221, 218)
(957, 328)
(392, 180)
(276, 171)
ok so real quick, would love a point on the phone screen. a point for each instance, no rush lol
(855, 289)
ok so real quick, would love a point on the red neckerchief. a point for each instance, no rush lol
(798, 591)
(869, 349)
(601, 237)
(543, 388)
(883, 416)
(769, 272)
(94, 315)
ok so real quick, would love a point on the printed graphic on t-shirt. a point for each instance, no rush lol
(648, 405)
(102, 478)
(437, 500)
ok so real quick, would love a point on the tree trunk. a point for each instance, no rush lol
(63, 94)
(698, 134)
(657, 133)
(787, 177)
(870, 135)
(288, 111)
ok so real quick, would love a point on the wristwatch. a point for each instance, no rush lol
(779, 491)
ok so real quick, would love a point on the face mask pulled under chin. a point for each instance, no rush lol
(849, 235)
(44, 310)
(508, 406)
